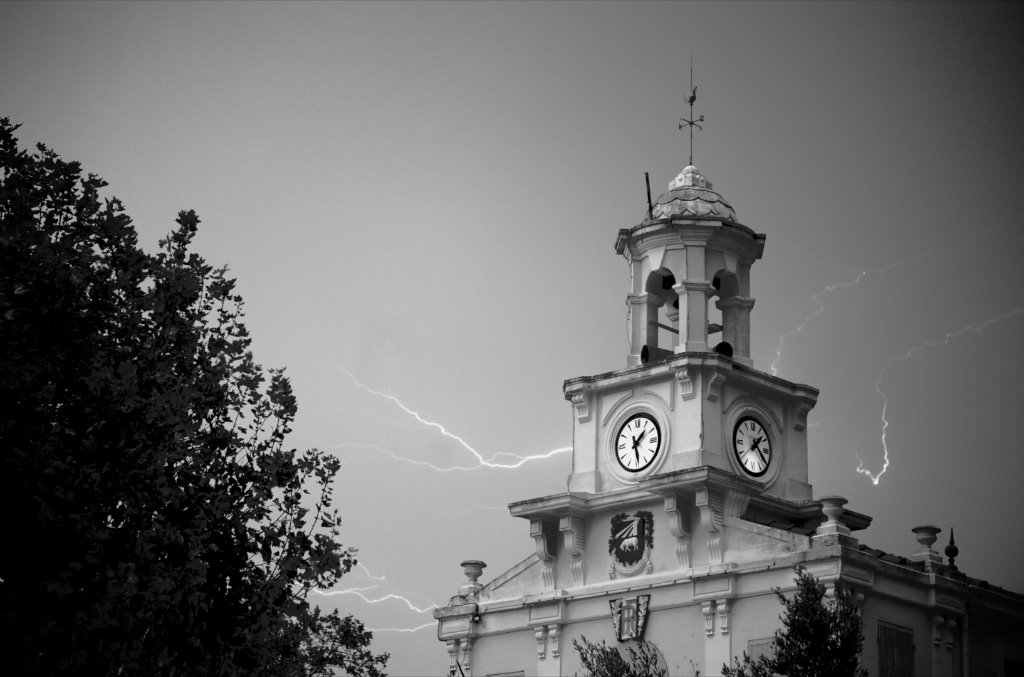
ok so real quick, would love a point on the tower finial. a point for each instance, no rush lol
(691, 122)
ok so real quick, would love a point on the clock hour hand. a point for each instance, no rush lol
(756, 446)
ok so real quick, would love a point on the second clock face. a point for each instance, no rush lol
(638, 442)
(752, 447)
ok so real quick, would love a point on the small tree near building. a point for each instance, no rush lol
(818, 637)
(601, 660)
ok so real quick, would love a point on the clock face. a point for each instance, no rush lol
(752, 447)
(638, 442)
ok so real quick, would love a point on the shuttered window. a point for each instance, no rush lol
(895, 650)
(759, 647)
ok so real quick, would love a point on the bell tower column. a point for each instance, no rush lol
(694, 292)
(736, 326)
(637, 316)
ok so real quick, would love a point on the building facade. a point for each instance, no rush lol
(689, 501)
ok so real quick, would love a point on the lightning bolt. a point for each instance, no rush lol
(906, 356)
(388, 594)
(828, 289)
(813, 314)
(481, 462)
(358, 592)
(416, 629)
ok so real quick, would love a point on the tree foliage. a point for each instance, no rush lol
(157, 522)
(819, 636)
(601, 660)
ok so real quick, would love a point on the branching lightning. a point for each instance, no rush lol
(906, 356)
(481, 462)
(820, 305)
(358, 592)
(385, 593)
(819, 309)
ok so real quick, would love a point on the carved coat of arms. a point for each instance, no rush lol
(630, 544)
(629, 617)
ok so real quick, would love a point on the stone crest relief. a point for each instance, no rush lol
(629, 617)
(632, 538)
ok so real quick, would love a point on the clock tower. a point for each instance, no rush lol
(690, 396)
(688, 502)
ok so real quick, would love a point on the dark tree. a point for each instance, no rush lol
(156, 521)
(818, 636)
(601, 660)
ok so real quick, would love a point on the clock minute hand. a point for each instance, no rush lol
(756, 446)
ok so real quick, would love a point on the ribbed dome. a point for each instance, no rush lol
(690, 194)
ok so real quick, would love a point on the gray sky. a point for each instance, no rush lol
(427, 195)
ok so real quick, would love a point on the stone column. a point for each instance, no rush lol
(637, 317)
(652, 302)
(693, 315)
(736, 325)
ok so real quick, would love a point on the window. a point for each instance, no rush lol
(759, 647)
(895, 650)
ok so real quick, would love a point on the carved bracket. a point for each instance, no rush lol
(708, 609)
(467, 653)
(715, 387)
(938, 624)
(581, 402)
(723, 616)
(545, 539)
(453, 656)
(800, 420)
(679, 524)
(736, 503)
(572, 528)
(709, 503)
(555, 635)
(540, 634)
(686, 385)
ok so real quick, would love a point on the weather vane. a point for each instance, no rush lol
(691, 122)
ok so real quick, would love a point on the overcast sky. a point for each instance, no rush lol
(427, 196)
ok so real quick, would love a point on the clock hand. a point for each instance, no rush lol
(757, 447)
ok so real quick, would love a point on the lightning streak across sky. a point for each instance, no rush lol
(906, 356)
(481, 462)
(388, 594)
(820, 305)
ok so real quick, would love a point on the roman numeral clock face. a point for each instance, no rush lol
(638, 443)
(752, 447)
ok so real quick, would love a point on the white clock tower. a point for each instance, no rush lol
(688, 500)
(694, 378)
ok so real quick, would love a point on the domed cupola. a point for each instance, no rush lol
(690, 195)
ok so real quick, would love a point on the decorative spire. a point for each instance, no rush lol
(952, 551)
(691, 122)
